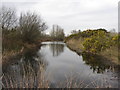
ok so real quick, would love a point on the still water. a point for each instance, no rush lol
(62, 65)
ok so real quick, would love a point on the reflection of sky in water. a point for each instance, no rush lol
(60, 64)
(68, 63)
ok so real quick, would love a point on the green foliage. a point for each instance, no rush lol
(116, 39)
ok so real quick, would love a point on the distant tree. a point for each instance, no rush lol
(74, 32)
(57, 33)
(79, 31)
(52, 33)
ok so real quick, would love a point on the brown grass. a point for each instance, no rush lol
(30, 78)
(111, 54)
(76, 45)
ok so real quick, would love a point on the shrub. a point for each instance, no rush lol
(97, 42)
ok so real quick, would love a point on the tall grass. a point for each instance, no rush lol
(28, 77)
(25, 77)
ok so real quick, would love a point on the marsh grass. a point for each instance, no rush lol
(27, 77)
(73, 81)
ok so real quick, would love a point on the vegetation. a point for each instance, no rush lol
(18, 33)
(57, 33)
(31, 27)
(35, 78)
(27, 31)
(96, 42)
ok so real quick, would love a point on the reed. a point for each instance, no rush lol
(27, 77)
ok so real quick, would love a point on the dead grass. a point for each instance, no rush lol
(111, 54)
(75, 44)
(31, 79)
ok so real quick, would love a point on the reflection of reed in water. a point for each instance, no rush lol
(56, 49)
(97, 63)
(25, 72)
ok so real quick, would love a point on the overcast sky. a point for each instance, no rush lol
(72, 14)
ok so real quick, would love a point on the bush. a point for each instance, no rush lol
(97, 42)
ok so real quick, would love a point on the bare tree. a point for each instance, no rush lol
(8, 18)
(57, 33)
(31, 26)
(74, 31)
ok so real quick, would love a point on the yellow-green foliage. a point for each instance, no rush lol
(84, 34)
(75, 36)
(116, 39)
(95, 41)
(99, 41)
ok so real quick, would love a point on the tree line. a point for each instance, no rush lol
(57, 33)
(28, 28)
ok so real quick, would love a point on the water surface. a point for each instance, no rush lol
(62, 65)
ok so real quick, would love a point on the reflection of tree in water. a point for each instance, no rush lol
(96, 62)
(29, 66)
(34, 60)
(56, 49)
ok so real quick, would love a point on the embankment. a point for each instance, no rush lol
(110, 54)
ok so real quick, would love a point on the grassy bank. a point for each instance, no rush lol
(86, 42)
(110, 54)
